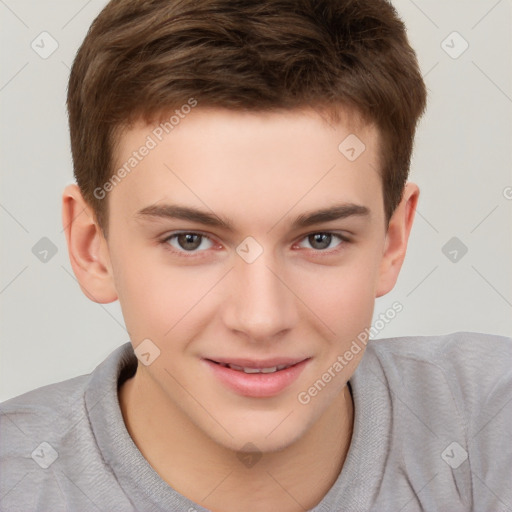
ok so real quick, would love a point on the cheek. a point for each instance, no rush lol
(144, 294)
(341, 296)
(159, 299)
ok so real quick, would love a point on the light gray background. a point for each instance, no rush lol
(50, 331)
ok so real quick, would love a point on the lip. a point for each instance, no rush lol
(257, 385)
(262, 363)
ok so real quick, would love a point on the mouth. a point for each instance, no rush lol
(255, 369)
(257, 379)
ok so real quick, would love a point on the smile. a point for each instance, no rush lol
(270, 369)
(257, 379)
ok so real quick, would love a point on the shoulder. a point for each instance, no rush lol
(473, 361)
(46, 398)
(435, 346)
(450, 398)
(61, 400)
(37, 430)
(463, 369)
(41, 409)
(48, 449)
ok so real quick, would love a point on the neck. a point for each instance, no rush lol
(293, 479)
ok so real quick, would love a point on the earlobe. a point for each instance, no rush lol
(87, 248)
(397, 237)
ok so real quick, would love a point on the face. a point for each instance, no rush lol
(247, 239)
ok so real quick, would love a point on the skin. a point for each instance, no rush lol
(298, 298)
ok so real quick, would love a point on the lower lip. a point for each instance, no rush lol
(258, 385)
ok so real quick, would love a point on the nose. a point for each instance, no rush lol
(261, 304)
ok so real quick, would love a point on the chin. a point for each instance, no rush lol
(261, 436)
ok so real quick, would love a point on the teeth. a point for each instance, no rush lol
(272, 369)
(252, 370)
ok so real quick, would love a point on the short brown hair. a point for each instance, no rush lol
(142, 58)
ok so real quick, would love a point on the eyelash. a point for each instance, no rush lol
(191, 254)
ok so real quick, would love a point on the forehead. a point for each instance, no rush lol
(252, 162)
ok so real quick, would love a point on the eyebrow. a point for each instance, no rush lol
(168, 211)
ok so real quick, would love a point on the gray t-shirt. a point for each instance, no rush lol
(432, 432)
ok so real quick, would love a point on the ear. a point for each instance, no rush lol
(397, 237)
(87, 247)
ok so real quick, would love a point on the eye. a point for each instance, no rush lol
(322, 240)
(188, 241)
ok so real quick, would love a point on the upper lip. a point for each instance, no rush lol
(262, 363)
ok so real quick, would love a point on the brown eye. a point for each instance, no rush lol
(320, 241)
(323, 241)
(188, 242)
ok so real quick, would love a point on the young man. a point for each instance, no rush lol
(242, 190)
